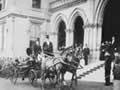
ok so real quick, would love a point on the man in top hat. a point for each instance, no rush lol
(48, 47)
(86, 53)
(37, 48)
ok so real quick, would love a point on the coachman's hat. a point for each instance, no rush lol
(47, 36)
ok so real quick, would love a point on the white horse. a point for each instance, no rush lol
(50, 67)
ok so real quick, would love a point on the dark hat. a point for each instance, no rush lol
(47, 36)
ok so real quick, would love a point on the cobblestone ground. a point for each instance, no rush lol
(5, 84)
(94, 81)
(24, 85)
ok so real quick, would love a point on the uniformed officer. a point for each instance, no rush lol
(109, 57)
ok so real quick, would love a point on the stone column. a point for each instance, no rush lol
(9, 38)
(90, 40)
(86, 36)
(92, 37)
(94, 43)
(98, 39)
(69, 37)
(99, 36)
(5, 39)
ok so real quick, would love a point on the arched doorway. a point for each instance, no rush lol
(61, 35)
(111, 22)
(78, 31)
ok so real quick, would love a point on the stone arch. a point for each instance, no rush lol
(60, 30)
(58, 18)
(77, 12)
(99, 13)
(77, 35)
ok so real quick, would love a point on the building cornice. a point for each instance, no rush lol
(32, 18)
(67, 5)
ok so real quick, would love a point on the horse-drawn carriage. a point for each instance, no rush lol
(49, 67)
(22, 70)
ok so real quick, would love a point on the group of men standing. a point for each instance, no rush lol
(47, 48)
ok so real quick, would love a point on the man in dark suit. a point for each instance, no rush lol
(108, 60)
(37, 48)
(48, 47)
(86, 52)
(109, 57)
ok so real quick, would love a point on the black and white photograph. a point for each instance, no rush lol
(59, 45)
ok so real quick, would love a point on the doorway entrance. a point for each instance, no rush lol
(111, 22)
(78, 31)
(61, 35)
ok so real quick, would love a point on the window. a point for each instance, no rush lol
(36, 3)
(2, 4)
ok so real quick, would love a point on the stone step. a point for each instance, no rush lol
(89, 69)
(86, 70)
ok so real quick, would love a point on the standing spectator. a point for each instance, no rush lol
(37, 48)
(48, 47)
(116, 71)
(86, 52)
(109, 56)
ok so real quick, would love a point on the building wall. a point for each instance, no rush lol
(19, 17)
(21, 23)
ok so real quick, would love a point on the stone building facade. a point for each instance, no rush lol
(88, 12)
(23, 21)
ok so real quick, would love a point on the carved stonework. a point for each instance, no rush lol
(62, 4)
(92, 26)
(69, 30)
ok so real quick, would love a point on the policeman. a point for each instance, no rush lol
(109, 57)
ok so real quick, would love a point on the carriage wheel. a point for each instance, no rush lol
(33, 78)
(14, 76)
